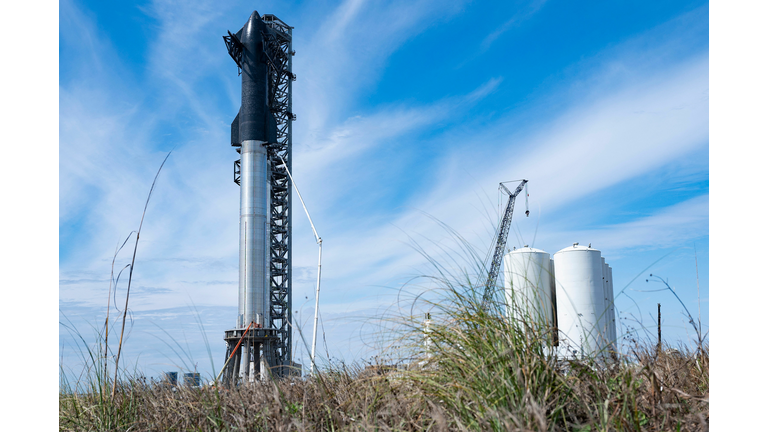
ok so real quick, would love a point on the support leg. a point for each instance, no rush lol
(236, 360)
(227, 378)
(257, 359)
(246, 361)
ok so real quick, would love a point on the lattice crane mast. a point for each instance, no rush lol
(501, 240)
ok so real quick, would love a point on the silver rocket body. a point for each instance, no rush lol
(260, 343)
(253, 299)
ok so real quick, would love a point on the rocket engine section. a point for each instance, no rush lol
(253, 129)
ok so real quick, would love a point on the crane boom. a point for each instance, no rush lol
(501, 240)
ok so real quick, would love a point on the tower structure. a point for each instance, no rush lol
(260, 342)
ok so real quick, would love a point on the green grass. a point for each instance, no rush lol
(484, 372)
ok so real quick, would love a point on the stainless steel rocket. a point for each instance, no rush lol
(253, 129)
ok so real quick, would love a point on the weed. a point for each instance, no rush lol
(476, 369)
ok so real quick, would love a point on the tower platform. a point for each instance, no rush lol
(250, 355)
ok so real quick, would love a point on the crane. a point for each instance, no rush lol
(501, 240)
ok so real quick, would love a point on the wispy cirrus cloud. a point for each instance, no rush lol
(525, 12)
(344, 57)
(369, 172)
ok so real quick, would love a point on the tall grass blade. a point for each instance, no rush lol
(130, 274)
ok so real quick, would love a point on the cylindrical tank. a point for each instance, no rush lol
(528, 287)
(580, 300)
(253, 301)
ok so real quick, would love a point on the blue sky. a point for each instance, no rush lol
(405, 110)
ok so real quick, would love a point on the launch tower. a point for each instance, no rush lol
(260, 342)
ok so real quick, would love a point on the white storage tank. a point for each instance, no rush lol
(580, 293)
(528, 287)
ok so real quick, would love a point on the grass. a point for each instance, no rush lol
(482, 372)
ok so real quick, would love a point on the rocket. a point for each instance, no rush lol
(253, 129)
(254, 121)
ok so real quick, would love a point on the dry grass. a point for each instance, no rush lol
(483, 373)
(665, 393)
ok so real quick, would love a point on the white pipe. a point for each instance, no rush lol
(317, 300)
(319, 263)
(317, 237)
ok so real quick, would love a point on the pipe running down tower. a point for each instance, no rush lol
(260, 342)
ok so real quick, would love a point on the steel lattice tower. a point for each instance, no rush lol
(281, 78)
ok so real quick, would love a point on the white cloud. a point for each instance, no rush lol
(336, 64)
(188, 248)
(526, 12)
(587, 149)
(668, 227)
